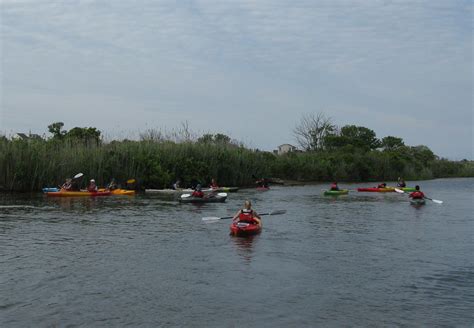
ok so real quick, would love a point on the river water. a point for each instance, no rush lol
(364, 259)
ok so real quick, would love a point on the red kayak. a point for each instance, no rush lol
(389, 189)
(263, 188)
(242, 229)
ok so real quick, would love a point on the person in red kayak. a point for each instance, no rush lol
(247, 214)
(213, 184)
(334, 186)
(417, 194)
(92, 187)
(198, 192)
(382, 185)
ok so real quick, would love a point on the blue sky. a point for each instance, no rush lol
(249, 69)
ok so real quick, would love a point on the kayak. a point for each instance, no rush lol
(226, 189)
(174, 191)
(263, 188)
(409, 189)
(336, 192)
(242, 229)
(123, 192)
(48, 189)
(77, 193)
(374, 189)
(417, 202)
(219, 198)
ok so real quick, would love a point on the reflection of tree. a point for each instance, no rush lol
(244, 247)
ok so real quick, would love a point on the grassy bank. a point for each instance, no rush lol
(32, 164)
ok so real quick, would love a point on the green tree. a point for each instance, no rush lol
(360, 136)
(56, 130)
(392, 143)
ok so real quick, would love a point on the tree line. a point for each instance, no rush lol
(350, 153)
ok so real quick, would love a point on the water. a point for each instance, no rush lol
(362, 259)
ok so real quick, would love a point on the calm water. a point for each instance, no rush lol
(362, 259)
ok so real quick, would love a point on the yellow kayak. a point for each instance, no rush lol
(120, 192)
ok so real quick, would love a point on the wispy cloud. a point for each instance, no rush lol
(231, 65)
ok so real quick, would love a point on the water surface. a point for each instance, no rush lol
(364, 259)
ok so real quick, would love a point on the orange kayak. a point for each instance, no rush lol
(77, 194)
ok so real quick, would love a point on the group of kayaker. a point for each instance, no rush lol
(74, 184)
(417, 194)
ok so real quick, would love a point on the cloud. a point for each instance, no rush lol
(210, 61)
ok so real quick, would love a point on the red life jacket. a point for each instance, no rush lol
(199, 194)
(247, 216)
(334, 187)
(417, 195)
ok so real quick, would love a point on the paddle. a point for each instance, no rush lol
(214, 218)
(79, 175)
(433, 200)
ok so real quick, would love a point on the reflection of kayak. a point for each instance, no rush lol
(219, 198)
(336, 192)
(263, 188)
(376, 189)
(417, 202)
(242, 229)
(53, 189)
(77, 194)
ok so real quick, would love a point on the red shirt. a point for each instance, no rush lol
(417, 195)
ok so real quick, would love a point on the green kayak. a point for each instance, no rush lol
(336, 192)
(409, 189)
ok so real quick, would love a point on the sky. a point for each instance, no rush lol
(249, 69)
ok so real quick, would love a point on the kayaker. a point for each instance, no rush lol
(177, 184)
(401, 183)
(263, 183)
(112, 185)
(198, 192)
(92, 187)
(417, 194)
(67, 186)
(213, 184)
(334, 186)
(382, 185)
(247, 214)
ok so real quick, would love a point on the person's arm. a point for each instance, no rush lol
(236, 216)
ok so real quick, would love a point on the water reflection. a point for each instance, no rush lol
(245, 246)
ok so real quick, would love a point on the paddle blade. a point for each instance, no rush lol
(131, 181)
(77, 176)
(437, 201)
(211, 218)
(399, 191)
(185, 195)
(277, 212)
(222, 194)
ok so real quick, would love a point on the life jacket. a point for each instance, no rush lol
(417, 195)
(92, 188)
(198, 194)
(247, 216)
(334, 187)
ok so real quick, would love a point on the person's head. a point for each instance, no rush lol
(92, 181)
(198, 187)
(417, 188)
(213, 180)
(384, 184)
(247, 205)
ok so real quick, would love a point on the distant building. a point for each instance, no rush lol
(24, 136)
(285, 148)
